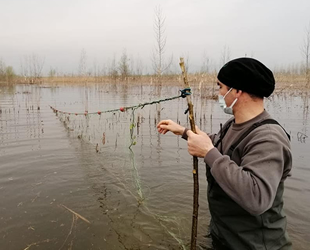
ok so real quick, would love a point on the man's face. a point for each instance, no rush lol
(223, 89)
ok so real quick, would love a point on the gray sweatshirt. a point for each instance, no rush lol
(261, 161)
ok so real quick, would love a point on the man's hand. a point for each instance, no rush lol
(167, 125)
(198, 144)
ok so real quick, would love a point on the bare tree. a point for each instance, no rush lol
(225, 55)
(95, 69)
(160, 65)
(102, 71)
(82, 63)
(138, 67)
(31, 67)
(305, 50)
(206, 64)
(113, 73)
(52, 73)
(132, 65)
(7, 73)
(10, 74)
(123, 66)
(37, 66)
(2, 70)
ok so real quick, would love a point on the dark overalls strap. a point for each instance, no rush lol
(254, 126)
(223, 133)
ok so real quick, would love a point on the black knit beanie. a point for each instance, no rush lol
(248, 75)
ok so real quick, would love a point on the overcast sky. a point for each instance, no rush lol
(271, 31)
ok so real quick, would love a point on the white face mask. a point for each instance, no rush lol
(227, 110)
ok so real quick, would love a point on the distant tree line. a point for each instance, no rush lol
(31, 70)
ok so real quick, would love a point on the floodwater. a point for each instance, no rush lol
(110, 181)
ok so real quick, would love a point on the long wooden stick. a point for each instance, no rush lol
(195, 161)
(76, 214)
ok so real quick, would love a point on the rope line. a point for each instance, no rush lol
(184, 92)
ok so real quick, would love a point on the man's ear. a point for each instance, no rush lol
(238, 93)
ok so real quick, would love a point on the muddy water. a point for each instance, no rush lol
(73, 182)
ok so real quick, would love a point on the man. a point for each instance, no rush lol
(247, 162)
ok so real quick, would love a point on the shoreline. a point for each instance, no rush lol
(201, 83)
